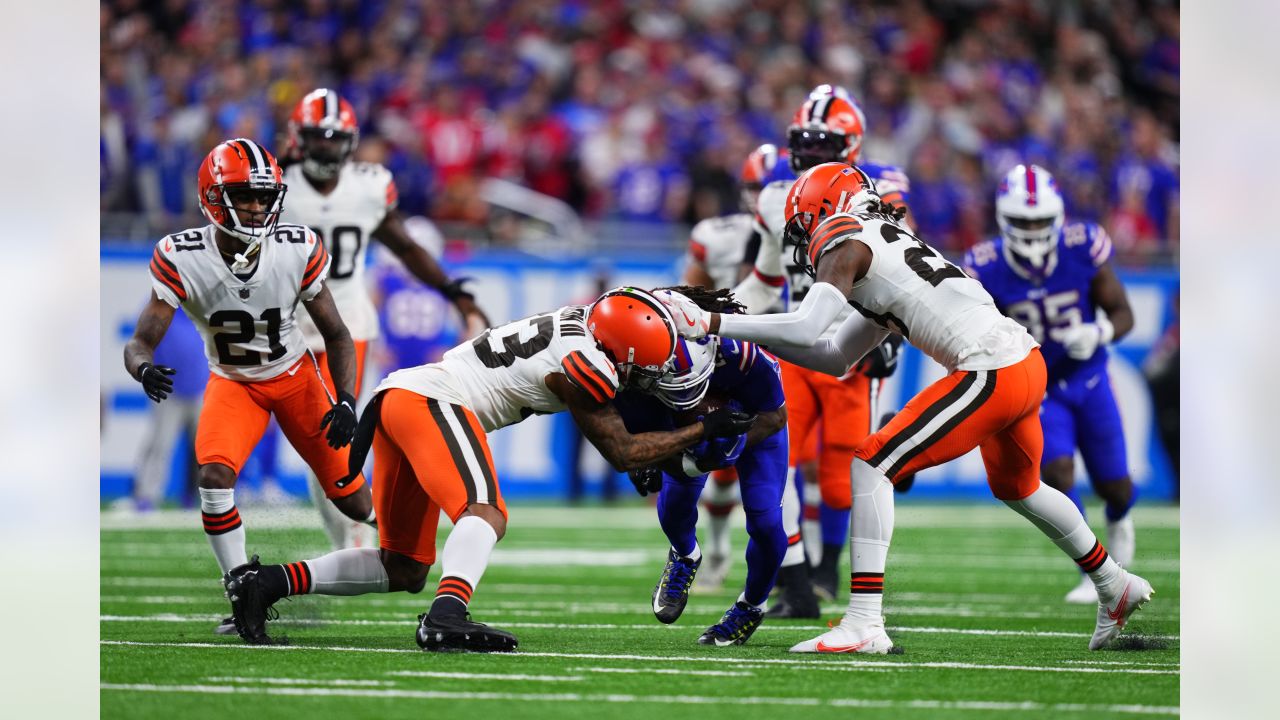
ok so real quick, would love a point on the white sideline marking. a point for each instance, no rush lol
(1126, 664)
(665, 671)
(485, 676)
(1026, 706)
(171, 617)
(300, 681)
(842, 664)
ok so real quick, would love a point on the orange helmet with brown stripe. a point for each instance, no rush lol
(636, 332)
(825, 129)
(820, 192)
(241, 190)
(324, 132)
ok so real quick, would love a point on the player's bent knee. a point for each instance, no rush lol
(357, 506)
(403, 572)
(1059, 474)
(1115, 493)
(496, 518)
(216, 476)
(1013, 489)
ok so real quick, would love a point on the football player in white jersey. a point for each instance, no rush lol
(240, 279)
(427, 428)
(716, 249)
(863, 256)
(349, 204)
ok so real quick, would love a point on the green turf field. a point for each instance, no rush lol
(973, 599)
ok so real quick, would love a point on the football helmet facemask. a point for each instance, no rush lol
(241, 190)
(1030, 212)
(686, 383)
(324, 132)
(637, 333)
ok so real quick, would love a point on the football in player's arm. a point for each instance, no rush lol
(427, 429)
(991, 399)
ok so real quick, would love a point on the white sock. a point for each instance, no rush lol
(354, 571)
(465, 557)
(695, 556)
(742, 598)
(1121, 540)
(870, 531)
(791, 521)
(335, 524)
(810, 525)
(223, 527)
(1060, 520)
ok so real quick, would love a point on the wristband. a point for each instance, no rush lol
(689, 466)
(453, 289)
(1106, 331)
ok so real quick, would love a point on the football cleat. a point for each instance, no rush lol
(860, 635)
(1114, 612)
(735, 628)
(797, 598)
(672, 591)
(458, 633)
(250, 607)
(1086, 593)
(714, 574)
(226, 627)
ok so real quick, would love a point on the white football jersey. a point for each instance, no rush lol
(719, 244)
(345, 220)
(249, 326)
(501, 375)
(912, 290)
(772, 210)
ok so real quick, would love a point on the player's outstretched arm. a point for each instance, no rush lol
(391, 232)
(837, 355)
(602, 425)
(340, 352)
(153, 322)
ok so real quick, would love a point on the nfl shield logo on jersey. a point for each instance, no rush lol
(244, 293)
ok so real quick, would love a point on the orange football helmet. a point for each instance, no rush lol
(636, 332)
(825, 129)
(236, 176)
(755, 171)
(820, 192)
(324, 132)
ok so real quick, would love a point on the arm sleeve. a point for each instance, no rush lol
(821, 306)
(836, 355)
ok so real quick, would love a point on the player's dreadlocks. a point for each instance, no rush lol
(716, 301)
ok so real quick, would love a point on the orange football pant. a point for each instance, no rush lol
(826, 419)
(235, 415)
(428, 456)
(995, 410)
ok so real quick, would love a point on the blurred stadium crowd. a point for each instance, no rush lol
(643, 110)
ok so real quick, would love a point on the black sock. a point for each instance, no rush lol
(274, 582)
(447, 605)
(830, 562)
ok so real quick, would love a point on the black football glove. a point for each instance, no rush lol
(883, 358)
(647, 480)
(155, 380)
(341, 421)
(726, 422)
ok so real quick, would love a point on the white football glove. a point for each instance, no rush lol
(1083, 340)
(692, 322)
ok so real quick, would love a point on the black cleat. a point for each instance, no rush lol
(735, 628)
(824, 574)
(250, 607)
(796, 598)
(447, 633)
(672, 591)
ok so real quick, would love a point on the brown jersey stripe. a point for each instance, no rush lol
(578, 377)
(166, 263)
(830, 232)
(584, 364)
(172, 283)
(316, 266)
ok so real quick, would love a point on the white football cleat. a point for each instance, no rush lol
(713, 573)
(1115, 612)
(850, 636)
(1122, 541)
(1086, 593)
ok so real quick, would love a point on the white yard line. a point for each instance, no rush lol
(664, 671)
(841, 664)
(408, 621)
(485, 676)
(300, 681)
(980, 706)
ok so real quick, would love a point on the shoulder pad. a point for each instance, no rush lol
(831, 233)
(592, 372)
(1087, 239)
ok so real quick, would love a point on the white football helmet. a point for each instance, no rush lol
(685, 384)
(1030, 212)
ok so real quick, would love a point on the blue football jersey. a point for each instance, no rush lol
(418, 324)
(1061, 300)
(891, 182)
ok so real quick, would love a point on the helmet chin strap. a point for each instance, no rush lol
(246, 258)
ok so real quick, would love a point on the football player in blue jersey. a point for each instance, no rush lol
(708, 372)
(1054, 278)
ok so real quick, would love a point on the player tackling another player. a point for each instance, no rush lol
(427, 426)
(863, 256)
(240, 279)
